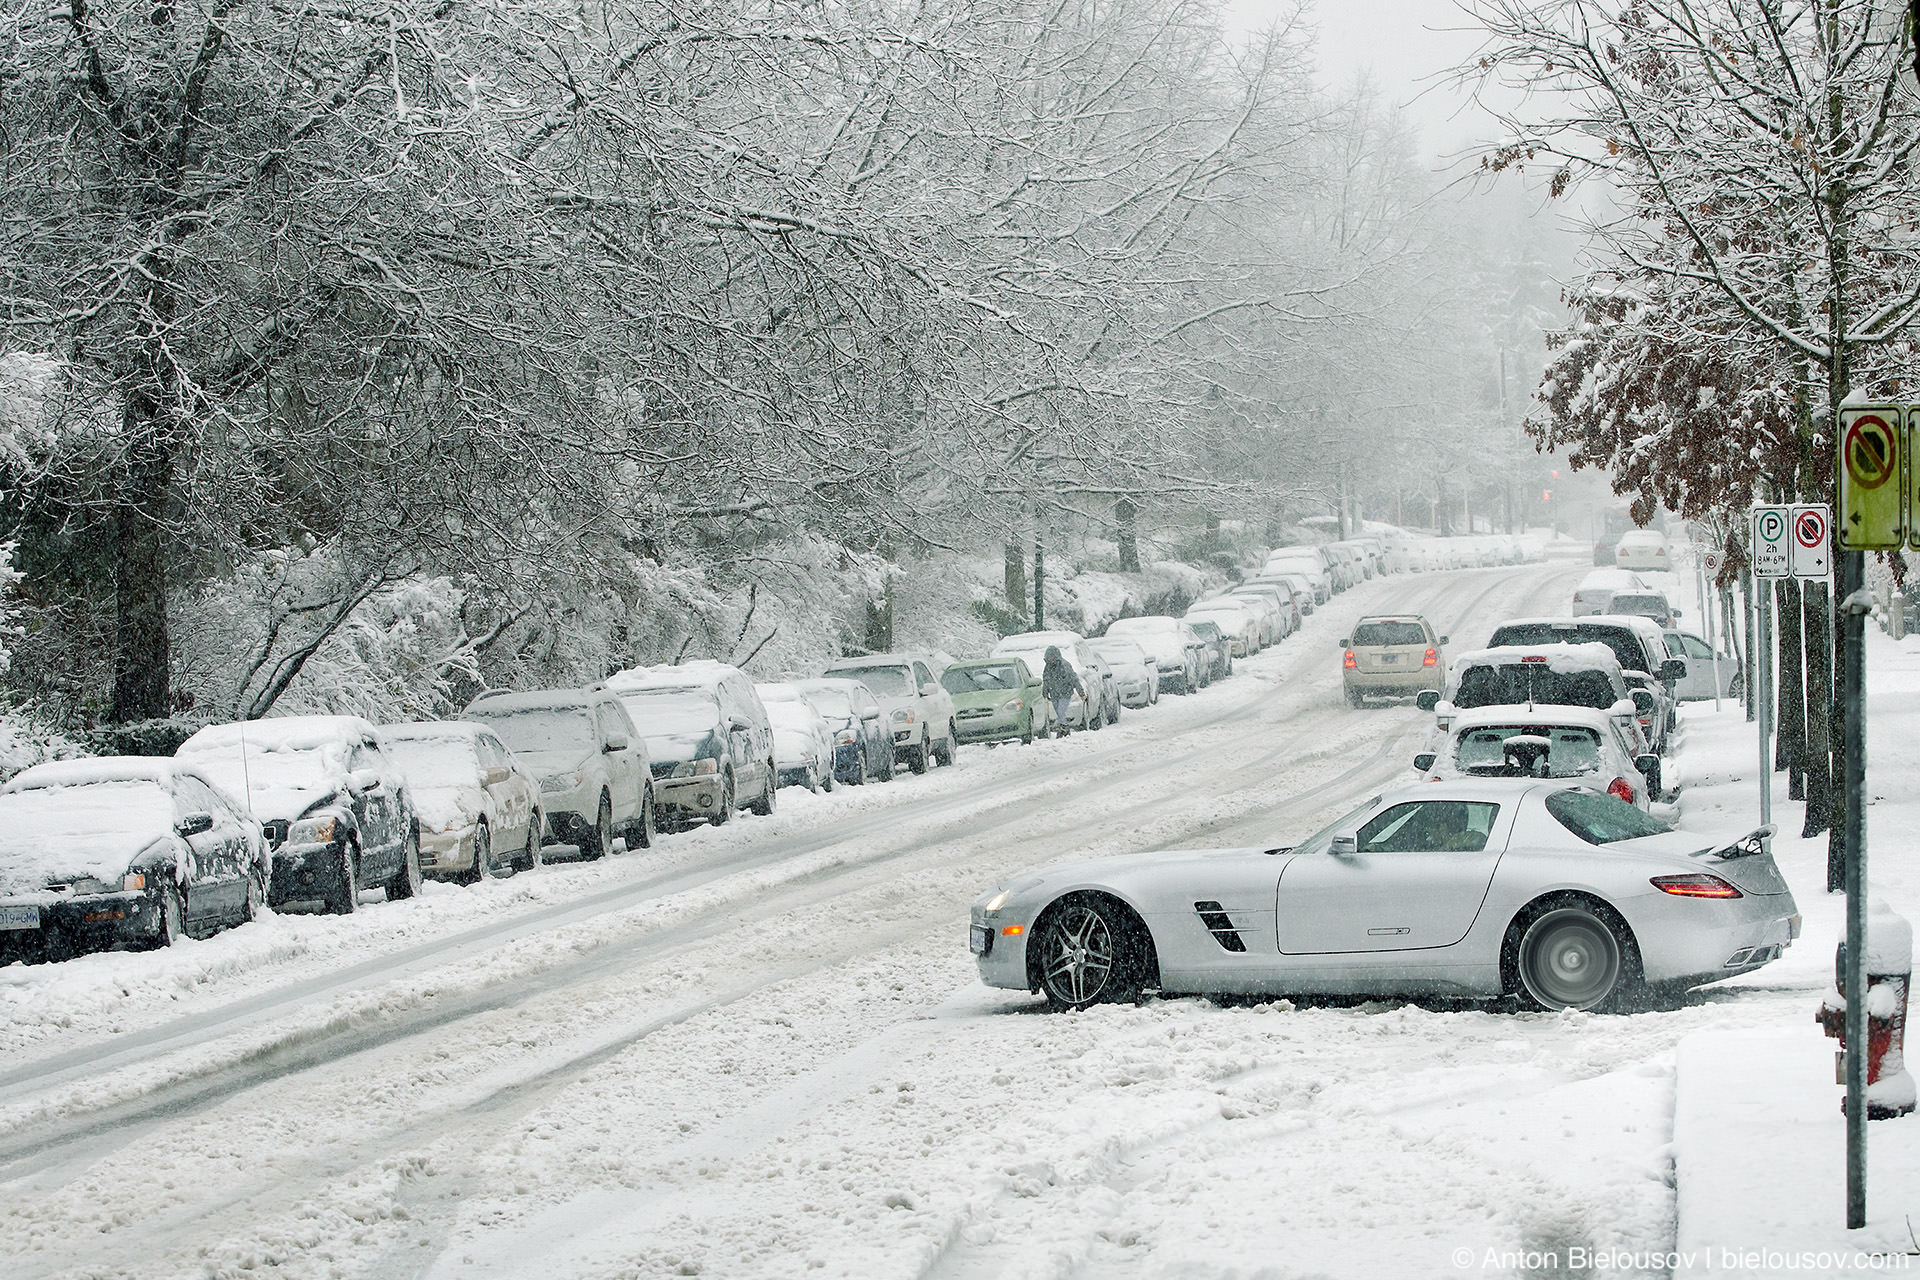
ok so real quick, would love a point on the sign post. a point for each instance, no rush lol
(1871, 481)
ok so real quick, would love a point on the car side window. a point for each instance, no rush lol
(609, 726)
(492, 754)
(1694, 647)
(361, 756)
(921, 675)
(190, 795)
(1430, 826)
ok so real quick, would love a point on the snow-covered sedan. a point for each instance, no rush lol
(1563, 897)
(118, 850)
(479, 807)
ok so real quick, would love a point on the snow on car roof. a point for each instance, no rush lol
(497, 702)
(1647, 536)
(697, 674)
(1617, 579)
(98, 769)
(1541, 716)
(431, 730)
(280, 733)
(1589, 655)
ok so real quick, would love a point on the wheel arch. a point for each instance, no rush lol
(1551, 900)
(1137, 931)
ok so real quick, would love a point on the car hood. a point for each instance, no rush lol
(675, 748)
(28, 864)
(548, 764)
(984, 698)
(446, 808)
(1125, 866)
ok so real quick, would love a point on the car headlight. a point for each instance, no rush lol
(903, 716)
(998, 901)
(694, 768)
(1012, 704)
(313, 831)
(561, 781)
(133, 880)
(846, 737)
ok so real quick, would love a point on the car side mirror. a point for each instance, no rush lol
(1643, 702)
(1623, 707)
(1344, 643)
(615, 742)
(1676, 612)
(1446, 639)
(192, 824)
(494, 775)
(1673, 669)
(870, 715)
(737, 723)
(1424, 761)
(1648, 765)
(1344, 846)
(1427, 699)
(363, 781)
(929, 690)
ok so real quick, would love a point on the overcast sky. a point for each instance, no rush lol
(1403, 46)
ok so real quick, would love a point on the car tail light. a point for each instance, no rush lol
(1348, 662)
(1432, 659)
(1534, 657)
(1697, 885)
(1621, 789)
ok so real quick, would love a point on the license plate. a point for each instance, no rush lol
(1389, 657)
(979, 938)
(19, 917)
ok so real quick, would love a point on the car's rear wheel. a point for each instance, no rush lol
(1086, 954)
(1355, 698)
(598, 842)
(1570, 957)
(406, 881)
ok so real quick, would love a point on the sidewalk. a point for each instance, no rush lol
(1759, 1142)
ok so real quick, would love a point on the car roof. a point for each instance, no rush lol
(281, 733)
(1542, 714)
(95, 770)
(430, 730)
(700, 673)
(1587, 655)
(1389, 617)
(533, 699)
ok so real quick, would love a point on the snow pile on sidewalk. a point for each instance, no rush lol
(1759, 1139)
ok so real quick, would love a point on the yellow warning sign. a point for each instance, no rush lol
(1872, 479)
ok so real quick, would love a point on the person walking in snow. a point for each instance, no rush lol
(1058, 683)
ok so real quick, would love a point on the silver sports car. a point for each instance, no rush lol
(1561, 896)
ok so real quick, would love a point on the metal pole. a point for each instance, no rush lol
(1760, 675)
(1849, 573)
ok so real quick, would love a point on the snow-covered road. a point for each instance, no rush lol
(761, 1050)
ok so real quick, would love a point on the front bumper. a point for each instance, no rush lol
(991, 726)
(83, 922)
(446, 852)
(793, 775)
(303, 872)
(697, 797)
(1003, 963)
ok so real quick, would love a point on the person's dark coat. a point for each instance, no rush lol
(1058, 679)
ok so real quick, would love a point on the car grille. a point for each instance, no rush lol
(976, 713)
(275, 832)
(662, 768)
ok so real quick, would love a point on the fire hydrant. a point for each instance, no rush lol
(1889, 966)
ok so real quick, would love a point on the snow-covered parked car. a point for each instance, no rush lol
(1637, 644)
(1643, 549)
(1563, 897)
(1136, 677)
(1544, 741)
(709, 737)
(591, 763)
(1101, 705)
(121, 850)
(919, 710)
(335, 811)
(1180, 656)
(1595, 591)
(479, 807)
(803, 747)
(1234, 617)
(862, 740)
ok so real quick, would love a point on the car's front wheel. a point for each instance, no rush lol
(648, 825)
(1571, 957)
(530, 856)
(598, 842)
(764, 805)
(943, 754)
(406, 881)
(173, 916)
(482, 854)
(917, 756)
(343, 897)
(1085, 954)
(725, 811)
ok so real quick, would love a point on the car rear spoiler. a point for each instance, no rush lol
(1746, 846)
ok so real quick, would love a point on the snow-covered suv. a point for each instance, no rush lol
(592, 764)
(919, 710)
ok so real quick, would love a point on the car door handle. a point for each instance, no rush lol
(1388, 933)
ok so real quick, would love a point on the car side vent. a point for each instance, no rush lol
(1214, 916)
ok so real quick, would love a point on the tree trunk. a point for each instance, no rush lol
(1039, 579)
(1817, 633)
(1790, 730)
(142, 652)
(1127, 516)
(1016, 572)
(1750, 662)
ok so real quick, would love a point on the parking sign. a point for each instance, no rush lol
(1772, 557)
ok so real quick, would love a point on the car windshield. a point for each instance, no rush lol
(268, 771)
(1601, 819)
(1389, 633)
(1571, 749)
(435, 764)
(539, 728)
(887, 681)
(1206, 630)
(980, 679)
(1322, 839)
(1533, 682)
(671, 711)
(830, 702)
(1626, 650)
(88, 811)
(1119, 651)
